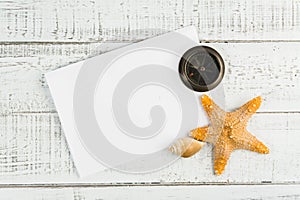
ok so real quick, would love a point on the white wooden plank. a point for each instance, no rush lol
(33, 150)
(269, 192)
(130, 20)
(268, 69)
(22, 69)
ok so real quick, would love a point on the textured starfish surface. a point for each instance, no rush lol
(227, 131)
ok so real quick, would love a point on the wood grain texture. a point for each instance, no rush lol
(278, 192)
(267, 69)
(86, 21)
(34, 151)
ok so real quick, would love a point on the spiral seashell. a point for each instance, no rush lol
(186, 147)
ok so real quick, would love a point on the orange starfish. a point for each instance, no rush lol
(227, 131)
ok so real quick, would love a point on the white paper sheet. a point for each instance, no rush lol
(62, 82)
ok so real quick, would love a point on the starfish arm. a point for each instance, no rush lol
(211, 108)
(199, 133)
(205, 134)
(245, 112)
(247, 141)
(222, 151)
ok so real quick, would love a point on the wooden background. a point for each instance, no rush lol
(261, 38)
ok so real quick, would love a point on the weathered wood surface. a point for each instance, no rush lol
(86, 21)
(277, 192)
(261, 44)
(33, 150)
(268, 69)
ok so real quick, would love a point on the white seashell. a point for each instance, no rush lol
(186, 147)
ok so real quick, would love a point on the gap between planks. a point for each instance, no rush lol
(152, 184)
(134, 41)
(55, 112)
